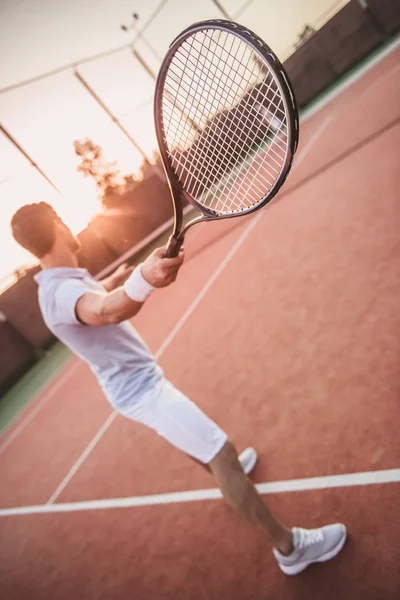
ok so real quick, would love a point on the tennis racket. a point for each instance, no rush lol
(226, 121)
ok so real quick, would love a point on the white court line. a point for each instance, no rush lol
(381, 79)
(311, 141)
(304, 117)
(47, 395)
(93, 442)
(274, 487)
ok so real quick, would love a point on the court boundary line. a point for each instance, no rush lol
(307, 114)
(363, 478)
(314, 138)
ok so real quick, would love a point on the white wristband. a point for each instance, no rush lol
(137, 288)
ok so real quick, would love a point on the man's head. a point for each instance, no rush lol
(39, 229)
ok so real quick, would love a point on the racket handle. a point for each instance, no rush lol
(173, 247)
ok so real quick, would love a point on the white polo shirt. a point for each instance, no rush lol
(117, 355)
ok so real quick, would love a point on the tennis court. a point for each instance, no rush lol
(284, 328)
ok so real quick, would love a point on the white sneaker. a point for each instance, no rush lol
(312, 545)
(248, 459)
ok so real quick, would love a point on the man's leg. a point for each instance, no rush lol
(176, 418)
(241, 494)
(184, 425)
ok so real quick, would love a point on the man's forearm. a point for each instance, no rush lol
(96, 308)
(116, 306)
(125, 302)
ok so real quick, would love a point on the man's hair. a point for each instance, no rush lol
(33, 227)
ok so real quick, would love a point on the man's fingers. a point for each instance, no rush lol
(160, 253)
(126, 268)
(175, 261)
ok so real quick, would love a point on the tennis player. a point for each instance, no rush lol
(92, 318)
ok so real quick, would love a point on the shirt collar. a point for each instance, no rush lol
(60, 272)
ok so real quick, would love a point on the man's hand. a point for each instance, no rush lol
(117, 278)
(122, 273)
(160, 271)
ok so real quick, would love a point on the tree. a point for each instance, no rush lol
(107, 175)
(113, 186)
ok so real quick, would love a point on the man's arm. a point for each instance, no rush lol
(99, 308)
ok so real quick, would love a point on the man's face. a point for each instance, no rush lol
(64, 234)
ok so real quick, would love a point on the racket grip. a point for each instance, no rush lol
(173, 247)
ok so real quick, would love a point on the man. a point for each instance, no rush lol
(91, 318)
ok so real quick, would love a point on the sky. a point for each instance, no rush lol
(37, 36)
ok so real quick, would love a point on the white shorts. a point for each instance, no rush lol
(176, 418)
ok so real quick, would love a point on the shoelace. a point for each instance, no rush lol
(310, 536)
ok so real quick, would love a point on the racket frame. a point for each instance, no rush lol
(287, 94)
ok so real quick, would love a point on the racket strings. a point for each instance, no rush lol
(237, 149)
(191, 96)
(252, 184)
(193, 191)
(208, 87)
(243, 111)
(244, 128)
(202, 78)
(218, 139)
(174, 94)
(202, 153)
(236, 170)
(259, 189)
(207, 96)
(247, 114)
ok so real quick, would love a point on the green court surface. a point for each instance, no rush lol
(26, 388)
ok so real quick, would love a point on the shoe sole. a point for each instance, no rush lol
(295, 569)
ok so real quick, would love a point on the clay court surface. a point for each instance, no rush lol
(285, 328)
